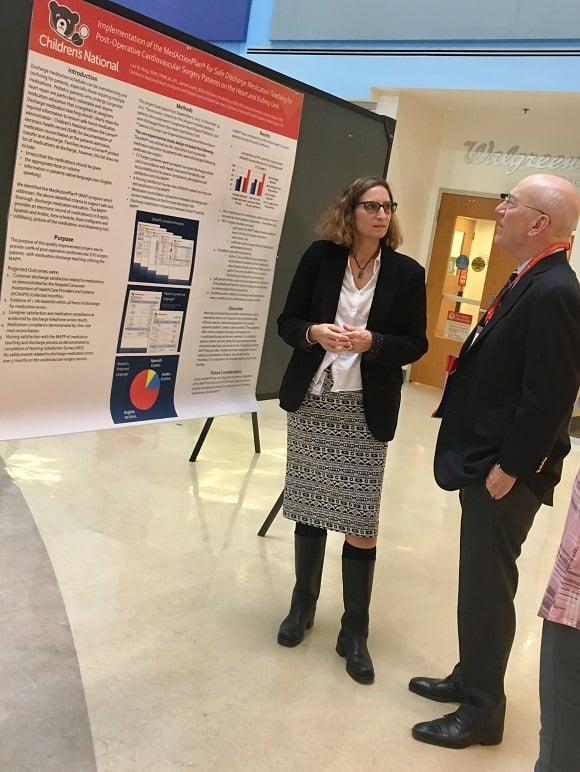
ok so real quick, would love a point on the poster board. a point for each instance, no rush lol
(142, 384)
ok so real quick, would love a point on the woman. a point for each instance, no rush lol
(354, 314)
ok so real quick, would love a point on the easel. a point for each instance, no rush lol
(257, 449)
(271, 515)
(206, 428)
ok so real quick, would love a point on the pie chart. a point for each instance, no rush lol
(144, 389)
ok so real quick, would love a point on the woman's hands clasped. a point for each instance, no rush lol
(360, 339)
(337, 339)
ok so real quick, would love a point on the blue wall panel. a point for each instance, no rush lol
(216, 20)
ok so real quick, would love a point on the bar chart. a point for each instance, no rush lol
(254, 182)
(250, 183)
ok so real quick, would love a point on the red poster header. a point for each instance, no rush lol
(96, 40)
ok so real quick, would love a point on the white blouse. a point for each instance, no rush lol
(354, 306)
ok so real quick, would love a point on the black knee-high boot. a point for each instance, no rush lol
(308, 561)
(357, 584)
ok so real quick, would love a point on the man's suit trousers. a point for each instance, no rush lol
(492, 534)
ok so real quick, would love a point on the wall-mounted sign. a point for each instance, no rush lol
(458, 326)
(514, 159)
(478, 264)
(462, 277)
(462, 261)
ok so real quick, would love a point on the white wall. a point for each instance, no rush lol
(429, 156)
(413, 166)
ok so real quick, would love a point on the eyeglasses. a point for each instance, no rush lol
(509, 202)
(372, 207)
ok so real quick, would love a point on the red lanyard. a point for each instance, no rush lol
(552, 249)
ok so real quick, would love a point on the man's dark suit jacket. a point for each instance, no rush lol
(511, 396)
(397, 317)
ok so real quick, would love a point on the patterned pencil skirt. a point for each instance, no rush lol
(334, 466)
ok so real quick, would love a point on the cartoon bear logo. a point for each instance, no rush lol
(64, 23)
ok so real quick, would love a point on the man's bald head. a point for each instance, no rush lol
(555, 196)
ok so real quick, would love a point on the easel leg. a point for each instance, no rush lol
(256, 431)
(272, 514)
(202, 436)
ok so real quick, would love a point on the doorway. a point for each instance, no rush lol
(466, 271)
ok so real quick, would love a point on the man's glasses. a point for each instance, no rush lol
(509, 202)
(372, 207)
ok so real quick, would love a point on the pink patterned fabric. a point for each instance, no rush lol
(561, 602)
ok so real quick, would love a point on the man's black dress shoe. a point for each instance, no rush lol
(455, 731)
(439, 689)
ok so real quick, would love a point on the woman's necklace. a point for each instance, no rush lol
(361, 269)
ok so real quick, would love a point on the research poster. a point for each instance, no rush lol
(149, 192)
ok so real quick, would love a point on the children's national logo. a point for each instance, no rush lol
(64, 22)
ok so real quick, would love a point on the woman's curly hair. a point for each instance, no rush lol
(337, 222)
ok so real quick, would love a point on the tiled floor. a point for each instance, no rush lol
(173, 603)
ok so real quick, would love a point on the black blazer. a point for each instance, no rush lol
(398, 313)
(511, 396)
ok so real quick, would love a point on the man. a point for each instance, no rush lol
(501, 443)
